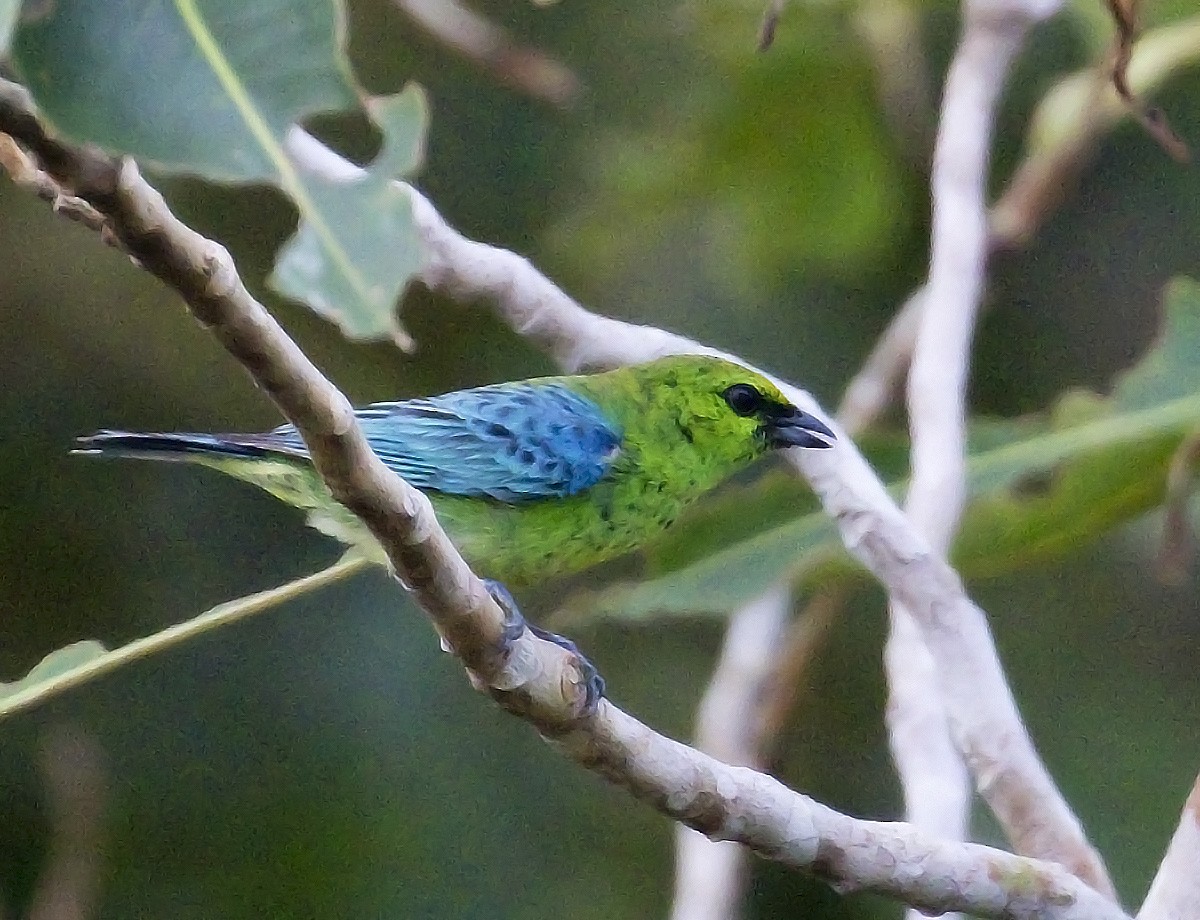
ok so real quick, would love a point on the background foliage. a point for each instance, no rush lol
(325, 759)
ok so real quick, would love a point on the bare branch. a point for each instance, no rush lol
(983, 714)
(76, 787)
(873, 388)
(934, 779)
(729, 726)
(725, 802)
(1125, 15)
(474, 37)
(538, 677)
(1175, 893)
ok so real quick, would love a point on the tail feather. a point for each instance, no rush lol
(174, 445)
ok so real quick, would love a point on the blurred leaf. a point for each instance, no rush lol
(780, 161)
(369, 218)
(211, 87)
(9, 11)
(54, 665)
(1076, 105)
(1095, 464)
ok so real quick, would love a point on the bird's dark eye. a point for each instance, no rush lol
(743, 399)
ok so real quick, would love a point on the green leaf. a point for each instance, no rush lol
(82, 662)
(212, 88)
(709, 163)
(54, 666)
(9, 11)
(369, 217)
(1035, 489)
(196, 86)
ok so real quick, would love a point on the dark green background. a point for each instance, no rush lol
(325, 759)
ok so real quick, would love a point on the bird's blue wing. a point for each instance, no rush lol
(512, 442)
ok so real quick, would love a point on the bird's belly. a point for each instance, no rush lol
(522, 544)
(514, 543)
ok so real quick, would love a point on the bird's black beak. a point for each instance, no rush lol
(786, 426)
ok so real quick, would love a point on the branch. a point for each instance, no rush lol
(77, 793)
(475, 38)
(980, 705)
(872, 389)
(537, 677)
(982, 712)
(730, 727)
(932, 775)
(725, 802)
(1175, 892)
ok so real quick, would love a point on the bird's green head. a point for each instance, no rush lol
(729, 412)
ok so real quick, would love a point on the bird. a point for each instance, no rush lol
(533, 478)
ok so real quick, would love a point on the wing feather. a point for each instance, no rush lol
(510, 442)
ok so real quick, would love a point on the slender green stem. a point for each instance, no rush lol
(221, 615)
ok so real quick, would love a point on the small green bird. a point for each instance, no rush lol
(534, 478)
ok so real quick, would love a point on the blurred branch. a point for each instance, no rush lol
(934, 780)
(1125, 16)
(1071, 119)
(475, 38)
(891, 31)
(1177, 547)
(1175, 892)
(534, 678)
(68, 888)
(873, 388)
(770, 24)
(730, 727)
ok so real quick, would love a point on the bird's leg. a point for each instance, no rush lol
(515, 623)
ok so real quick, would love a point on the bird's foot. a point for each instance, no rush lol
(515, 624)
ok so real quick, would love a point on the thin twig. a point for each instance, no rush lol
(724, 802)
(475, 38)
(1125, 16)
(217, 617)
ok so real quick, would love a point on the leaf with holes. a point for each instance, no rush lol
(213, 88)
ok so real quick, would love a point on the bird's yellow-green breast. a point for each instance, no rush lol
(540, 477)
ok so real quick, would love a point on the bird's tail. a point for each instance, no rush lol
(174, 446)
